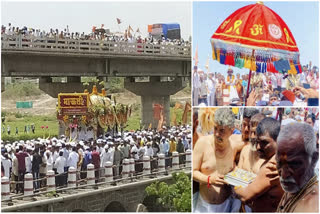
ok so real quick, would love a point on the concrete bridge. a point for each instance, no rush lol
(109, 194)
(124, 197)
(45, 58)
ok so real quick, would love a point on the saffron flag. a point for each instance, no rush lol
(187, 109)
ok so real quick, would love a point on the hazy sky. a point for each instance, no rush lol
(302, 19)
(82, 15)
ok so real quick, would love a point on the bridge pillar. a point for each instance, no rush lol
(154, 92)
(3, 82)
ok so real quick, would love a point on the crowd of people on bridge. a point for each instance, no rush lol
(96, 34)
(266, 89)
(38, 156)
(280, 146)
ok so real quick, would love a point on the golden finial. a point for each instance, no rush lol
(260, 2)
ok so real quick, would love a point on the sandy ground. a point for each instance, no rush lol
(45, 104)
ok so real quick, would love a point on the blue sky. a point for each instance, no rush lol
(302, 19)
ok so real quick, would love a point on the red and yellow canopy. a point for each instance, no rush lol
(255, 27)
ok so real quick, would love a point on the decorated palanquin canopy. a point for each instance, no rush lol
(255, 37)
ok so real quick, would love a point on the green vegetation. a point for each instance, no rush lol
(21, 120)
(21, 91)
(115, 84)
(175, 197)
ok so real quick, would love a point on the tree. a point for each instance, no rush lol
(176, 197)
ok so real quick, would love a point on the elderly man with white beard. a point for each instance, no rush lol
(296, 159)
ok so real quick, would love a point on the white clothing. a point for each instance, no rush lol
(6, 163)
(201, 206)
(105, 157)
(73, 159)
(59, 164)
(233, 92)
(28, 164)
(195, 96)
(55, 156)
(135, 150)
(274, 81)
(149, 152)
(65, 155)
(161, 148)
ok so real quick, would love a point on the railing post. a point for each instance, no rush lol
(90, 174)
(132, 170)
(125, 168)
(146, 165)
(72, 178)
(188, 158)
(28, 184)
(175, 160)
(5, 188)
(108, 172)
(19, 41)
(161, 163)
(51, 184)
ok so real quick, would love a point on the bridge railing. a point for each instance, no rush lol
(131, 172)
(55, 44)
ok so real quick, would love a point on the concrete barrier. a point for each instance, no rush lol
(90, 174)
(146, 165)
(125, 168)
(5, 188)
(108, 172)
(51, 183)
(175, 160)
(132, 170)
(161, 163)
(72, 177)
(188, 158)
(28, 184)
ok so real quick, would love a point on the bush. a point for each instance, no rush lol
(176, 197)
(115, 84)
(21, 90)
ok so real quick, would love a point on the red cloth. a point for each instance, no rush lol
(95, 159)
(289, 95)
(258, 26)
(21, 156)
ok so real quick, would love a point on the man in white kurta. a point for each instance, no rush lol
(195, 86)
(211, 89)
(231, 81)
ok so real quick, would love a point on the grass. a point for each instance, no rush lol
(27, 119)
(20, 120)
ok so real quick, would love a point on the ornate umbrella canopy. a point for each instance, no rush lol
(255, 37)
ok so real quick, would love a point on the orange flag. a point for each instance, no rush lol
(187, 109)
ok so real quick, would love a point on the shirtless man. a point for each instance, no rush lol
(265, 192)
(296, 159)
(243, 139)
(213, 157)
(249, 158)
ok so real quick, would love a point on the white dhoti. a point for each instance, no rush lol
(201, 206)
(195, 96)
(233, 93)
(210, 99)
